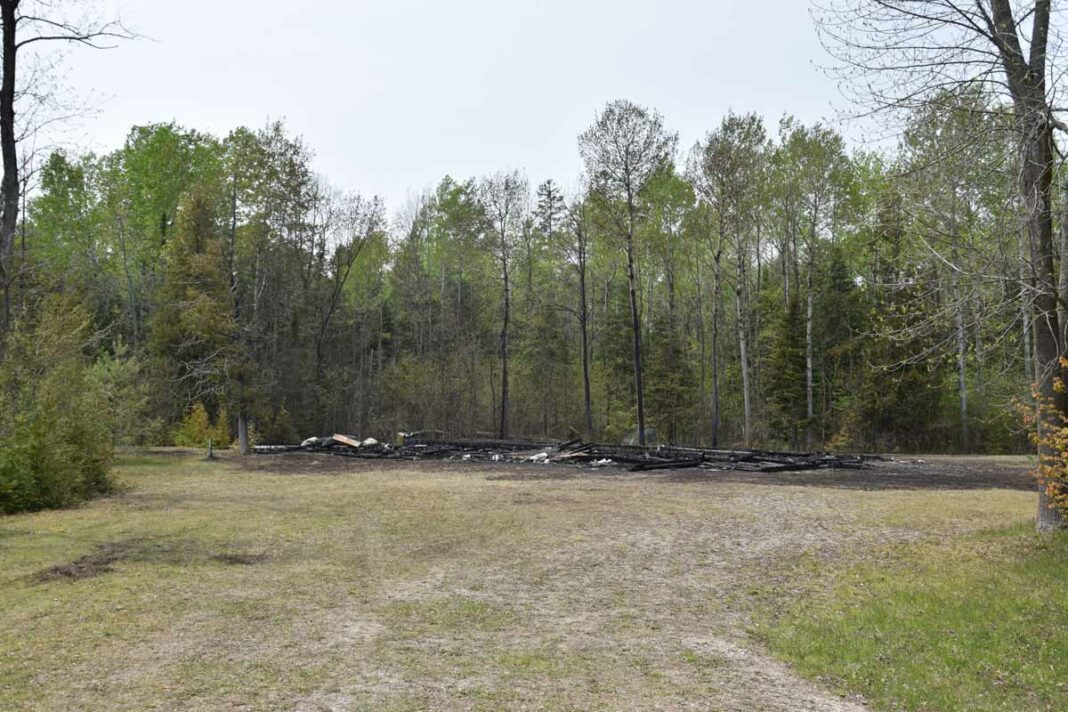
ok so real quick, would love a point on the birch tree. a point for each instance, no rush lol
(623, 150)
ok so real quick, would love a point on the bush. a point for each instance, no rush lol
(1051, 437)
(196, 428)
(220, 432)
(55, 423)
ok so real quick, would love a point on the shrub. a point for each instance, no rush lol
(220, 432)
(196, 428)
(55, 421)
(1051, 437)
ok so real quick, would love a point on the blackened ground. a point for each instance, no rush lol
(897, 472)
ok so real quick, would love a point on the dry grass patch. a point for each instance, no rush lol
(361, 585)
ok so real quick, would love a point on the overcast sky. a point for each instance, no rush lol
(392, 95)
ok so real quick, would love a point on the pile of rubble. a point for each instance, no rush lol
(415, 446)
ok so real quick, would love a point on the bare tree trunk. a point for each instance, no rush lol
(743, 348)
(502, 429)
(635, 319)
(9, 187)
(1025, 312)
(242, 432)
(584, 327)
(1036, 182)
(636, 327)
(716, 299)
(1062, 277)
(962, 356)
(810, 401)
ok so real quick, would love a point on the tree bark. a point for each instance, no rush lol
(584, 327)
(810, 400)
(636, 327)
(743, 348)
(1026, 312)
(242, 432)
(635, 318)
(502, 429)
(716, 300)
(9, 187)
(962, 356)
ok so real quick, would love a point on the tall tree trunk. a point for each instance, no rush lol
(636, 327)
(743, 349)
(716, 300)
(699, 291)
(1036, 183)
(1062, 277)
(962, 356)
(810, 400)
(9, 187)
(635, 319)
(235, 297)
(1026, 81)
(242, 431)
(584, 327)
(502, 429)
(1026, 312)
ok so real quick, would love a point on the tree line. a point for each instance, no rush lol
(765, 287)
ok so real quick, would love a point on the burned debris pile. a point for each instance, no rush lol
(417, 446)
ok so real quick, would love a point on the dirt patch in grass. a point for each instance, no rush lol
(96, 563)
(172, 552)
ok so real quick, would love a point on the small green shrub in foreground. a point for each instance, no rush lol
(978, 624)
(55, 427)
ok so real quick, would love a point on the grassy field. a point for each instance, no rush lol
(973, 623)
(295, 583)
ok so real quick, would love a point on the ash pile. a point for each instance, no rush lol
(418, 446)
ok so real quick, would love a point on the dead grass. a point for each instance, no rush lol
(362, 585)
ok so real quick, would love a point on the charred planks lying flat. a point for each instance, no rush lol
(574, 452)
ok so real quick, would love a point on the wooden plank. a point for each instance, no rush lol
(346, 440)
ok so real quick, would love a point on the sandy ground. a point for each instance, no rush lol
(360, 585)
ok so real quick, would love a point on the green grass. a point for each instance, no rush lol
(977, 623)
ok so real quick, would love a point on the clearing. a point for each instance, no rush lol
(304, 582)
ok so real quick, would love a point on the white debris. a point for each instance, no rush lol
(467, 456)
(368, 442)
(601, 463)
(310, 441)
(496, 457)
(540, 457)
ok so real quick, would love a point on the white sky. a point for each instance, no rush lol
(394, 94)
